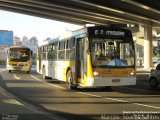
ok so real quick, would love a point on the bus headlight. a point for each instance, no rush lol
(96, 74)
(132, 74)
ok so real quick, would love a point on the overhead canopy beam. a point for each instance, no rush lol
(86, 11)
(47, 14)
(131, 15)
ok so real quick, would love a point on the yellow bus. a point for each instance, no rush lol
(19, 58)
(90, 57)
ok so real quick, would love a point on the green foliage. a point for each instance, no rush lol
(156, 51)
(2, 62)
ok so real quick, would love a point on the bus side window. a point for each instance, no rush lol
(72, 48)
(67, 50)
(55, 49)
(50, 55)
(71, 43)
(61, 50)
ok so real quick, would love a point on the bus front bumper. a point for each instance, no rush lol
(21, 68)
(110, 81)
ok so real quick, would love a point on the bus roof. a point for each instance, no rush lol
(82, 31)
(65, 36)
(19, 47)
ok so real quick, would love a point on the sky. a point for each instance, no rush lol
(25, 25)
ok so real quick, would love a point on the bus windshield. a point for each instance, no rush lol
(19, 54)
(112, 53)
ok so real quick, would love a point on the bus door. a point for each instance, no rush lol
(80, 59)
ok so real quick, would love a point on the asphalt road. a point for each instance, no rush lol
(35, 99)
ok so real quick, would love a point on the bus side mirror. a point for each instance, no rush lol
(86, 46)
(7, 53)
(87, 51)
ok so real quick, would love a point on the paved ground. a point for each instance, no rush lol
(28, 94)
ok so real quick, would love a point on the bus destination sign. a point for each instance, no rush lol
(109, 33)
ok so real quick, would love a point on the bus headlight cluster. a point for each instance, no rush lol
(96, 74)
(132, 74)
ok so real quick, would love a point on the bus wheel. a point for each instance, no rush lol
(153, 83)
(9, 71)
(44, 73)
(27, 72)
(70, 80)
(108, 88)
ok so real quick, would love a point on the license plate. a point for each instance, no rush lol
(115, 80)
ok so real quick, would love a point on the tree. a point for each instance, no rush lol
(24, 40)
(33, 40)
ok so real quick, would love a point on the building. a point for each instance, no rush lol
(30, 43)
(16, 41)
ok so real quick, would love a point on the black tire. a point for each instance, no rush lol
(27, 72)
(70, 80)
(44, 73)
(153, 83)
(9, 71)
(108, 88)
